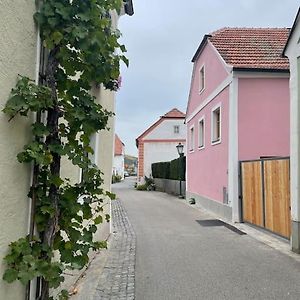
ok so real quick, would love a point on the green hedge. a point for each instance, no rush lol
(174, 169)
(161, 169)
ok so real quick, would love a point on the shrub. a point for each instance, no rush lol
(149, 180)
(116, 178)
(142, 187)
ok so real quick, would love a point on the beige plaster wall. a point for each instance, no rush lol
(17, 56)
(106, 139)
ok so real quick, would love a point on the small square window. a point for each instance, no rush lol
(201, 134)
(216, 125)
(201, 80)
(191, 139)
(176, 129)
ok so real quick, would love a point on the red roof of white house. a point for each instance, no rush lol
(118, 146)
(172, 114)
(250, 48)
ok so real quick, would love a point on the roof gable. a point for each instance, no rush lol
(216, 70)
(172, 114)
(250, 48)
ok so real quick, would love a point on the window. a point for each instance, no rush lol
(201, 134)
(191, 139)
(176, 129)
(216, 125)
(201, 79)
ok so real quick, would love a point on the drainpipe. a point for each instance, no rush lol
(31, 286)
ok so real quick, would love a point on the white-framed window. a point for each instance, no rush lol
(201, 130)
(216, 125)
(176, 129)
(192, 139)
(201, 79)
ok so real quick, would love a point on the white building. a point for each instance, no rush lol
(118, 165)
(292, 51)
(158, 142)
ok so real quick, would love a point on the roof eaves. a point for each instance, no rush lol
(242, 69)
(128, 5)
(173, 117)
(201, 46)
(291, 32)
(148, 130)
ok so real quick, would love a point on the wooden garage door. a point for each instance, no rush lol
(265, 188)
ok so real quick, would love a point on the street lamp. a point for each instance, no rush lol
(180, 153)
(180, 149)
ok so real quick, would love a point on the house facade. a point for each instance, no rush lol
(158, 142)
(20, 54)
(119, 156)
(238, 109)
(292, 51)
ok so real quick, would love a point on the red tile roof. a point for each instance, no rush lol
(174, 113)
(118, 146)
(250, 48)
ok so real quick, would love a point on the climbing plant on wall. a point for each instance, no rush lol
(82, 52)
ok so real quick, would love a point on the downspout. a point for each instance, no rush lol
(30, 292)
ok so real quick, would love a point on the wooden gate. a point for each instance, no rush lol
(265, 191)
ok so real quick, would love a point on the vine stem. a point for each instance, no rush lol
(53, 138)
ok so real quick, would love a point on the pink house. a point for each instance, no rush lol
(238, 109)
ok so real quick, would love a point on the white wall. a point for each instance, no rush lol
(293, 52)
(157, 152)
(165, 130)
(118, 167)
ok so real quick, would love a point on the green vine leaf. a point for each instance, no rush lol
(27, 96)
(10, 275)
(40, 130)
(98, 220)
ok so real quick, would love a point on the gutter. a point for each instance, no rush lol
(128, 6)
(201, 46)
(287, 71)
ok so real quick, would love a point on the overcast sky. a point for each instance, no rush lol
(161, 38)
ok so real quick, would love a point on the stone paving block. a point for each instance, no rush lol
(117, 280)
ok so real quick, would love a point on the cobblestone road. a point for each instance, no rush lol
(118, 277)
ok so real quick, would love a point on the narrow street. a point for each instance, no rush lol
(180, 258)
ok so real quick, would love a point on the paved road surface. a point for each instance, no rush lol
(177, 258)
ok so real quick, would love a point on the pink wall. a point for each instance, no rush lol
(207, 168)
(215, 73)
(263, 120)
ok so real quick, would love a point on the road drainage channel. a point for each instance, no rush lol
(219, 223)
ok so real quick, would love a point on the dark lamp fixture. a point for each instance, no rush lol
(180, 149)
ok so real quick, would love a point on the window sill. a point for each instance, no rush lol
(216, 142)
(200, 92)
(201, 148)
